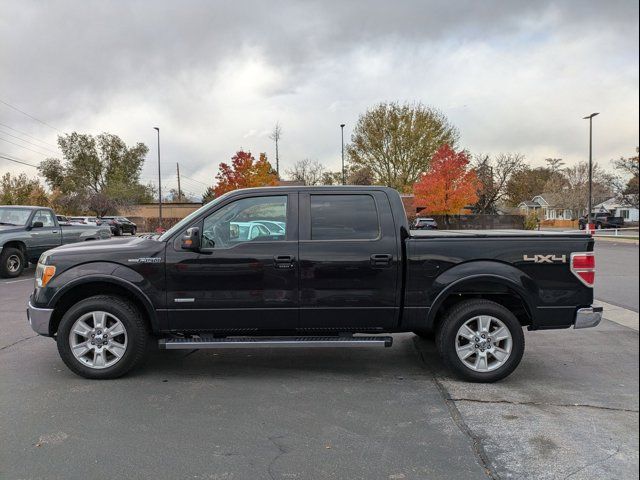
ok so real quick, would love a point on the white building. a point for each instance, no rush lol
(613, 207)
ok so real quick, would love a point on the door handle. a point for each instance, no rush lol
(283, 261)
(381, 259)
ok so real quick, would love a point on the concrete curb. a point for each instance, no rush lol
(619, 315)
(633, 241)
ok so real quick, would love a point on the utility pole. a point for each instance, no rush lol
(590, 202)
(157, 129)
(179, 189)
(342, 135)
(275, 136)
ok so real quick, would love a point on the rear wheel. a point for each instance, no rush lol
(102, 337)
(133, 231)
(12, 262)
(481, 341)
(118, 232)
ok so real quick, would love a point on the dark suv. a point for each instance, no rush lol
(120, 225)
(424, 224)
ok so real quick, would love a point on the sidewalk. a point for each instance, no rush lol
(621, 316)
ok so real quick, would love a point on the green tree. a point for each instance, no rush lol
(208, 195)
(396, 141)
(526, 183)
(21, 190)
(100, 174)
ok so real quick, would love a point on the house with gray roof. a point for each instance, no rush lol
(547, 206)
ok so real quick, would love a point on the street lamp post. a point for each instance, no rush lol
(590, 202)
(157, 129)
(342, 135)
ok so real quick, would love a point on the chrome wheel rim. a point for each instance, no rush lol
(13, 263)
(483, 343)
(98, 339)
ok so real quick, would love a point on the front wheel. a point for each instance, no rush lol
(102, 337)
(481, 341)
(12, 262)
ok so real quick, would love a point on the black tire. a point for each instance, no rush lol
(118, 232)
(426, 335)
(135, 325)
(599, 226)
(133, 231)
(12, 262)
(461, 313)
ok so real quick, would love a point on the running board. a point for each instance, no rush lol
(271, 342)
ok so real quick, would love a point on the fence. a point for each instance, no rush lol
(479, 222)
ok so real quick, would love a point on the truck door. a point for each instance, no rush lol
(246, 275)
(349, 261)
(44, 233)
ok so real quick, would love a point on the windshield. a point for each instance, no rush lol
(189, 218)
(14, 216)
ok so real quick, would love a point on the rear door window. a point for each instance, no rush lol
(344, 217)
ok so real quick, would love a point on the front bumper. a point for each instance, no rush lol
(39, 319)
(588, 317)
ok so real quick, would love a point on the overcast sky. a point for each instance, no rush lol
(216, 76)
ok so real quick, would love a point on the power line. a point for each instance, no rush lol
(197, 181)
(190, 184)
(30, 116)
(27, 135)
(27, 148)
(27, 141)
(17, 161)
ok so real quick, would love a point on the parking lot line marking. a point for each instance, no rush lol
(619, 315)
(18, 281)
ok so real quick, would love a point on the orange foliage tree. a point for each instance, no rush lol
(244, 172)
(449, 185)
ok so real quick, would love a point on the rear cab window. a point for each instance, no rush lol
(344, 217)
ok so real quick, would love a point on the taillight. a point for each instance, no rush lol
(583, 266)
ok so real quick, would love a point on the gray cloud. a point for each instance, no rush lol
(513, 75)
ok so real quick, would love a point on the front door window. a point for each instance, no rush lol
(255, 219)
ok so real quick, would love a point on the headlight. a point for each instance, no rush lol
(44, 272)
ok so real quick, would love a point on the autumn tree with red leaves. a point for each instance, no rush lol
(244, 172)
(449, 185)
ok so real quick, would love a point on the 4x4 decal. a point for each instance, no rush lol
(546, 258)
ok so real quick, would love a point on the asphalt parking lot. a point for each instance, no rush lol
(569, 411)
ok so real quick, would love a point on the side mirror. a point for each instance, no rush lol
(37, 225)
(191, 239)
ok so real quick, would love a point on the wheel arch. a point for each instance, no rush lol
(19, 244)
(501, 289)
(87, 287)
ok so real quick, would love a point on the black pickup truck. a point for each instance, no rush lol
(601, 220)
(311, 267)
